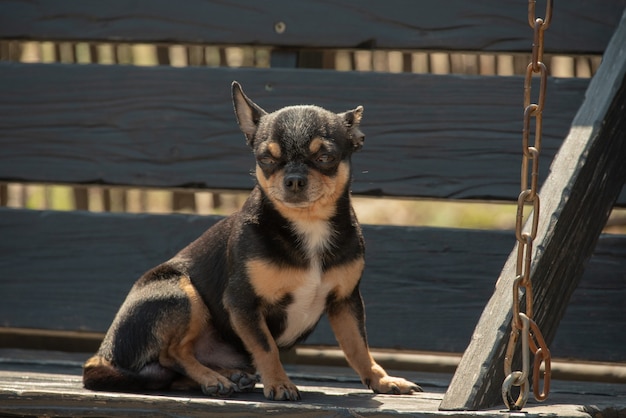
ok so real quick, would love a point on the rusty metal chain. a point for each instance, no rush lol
(523, 324)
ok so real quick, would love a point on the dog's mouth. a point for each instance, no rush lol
(302, 199)
(297, 204)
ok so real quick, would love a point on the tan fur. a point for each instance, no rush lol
(274, 149)
(323, 193)
(97, 361)
(273, 282)
(344, 278)
(316, 144)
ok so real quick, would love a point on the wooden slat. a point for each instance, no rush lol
(430, 136)
(576, 199)
(424, 288)
(489, 25)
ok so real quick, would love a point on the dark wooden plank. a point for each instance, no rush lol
(601, 284)
(488, 25)
(587, 176)
(431, 136)
(424, 288)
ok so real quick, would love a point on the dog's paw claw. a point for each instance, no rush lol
(225, 390)
(220, 390)
(396, 386)
(283, 392)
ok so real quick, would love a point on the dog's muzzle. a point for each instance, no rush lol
(296, 185)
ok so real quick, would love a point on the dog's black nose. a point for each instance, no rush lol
(295, 182)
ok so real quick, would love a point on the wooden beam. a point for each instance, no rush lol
(423, 289)
(175, 127)
(493, 25)
(586, 178)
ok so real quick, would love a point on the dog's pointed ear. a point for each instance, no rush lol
(247, 112)
(352, 120)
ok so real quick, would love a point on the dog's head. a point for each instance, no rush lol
(302, 152)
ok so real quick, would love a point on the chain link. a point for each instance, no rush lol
(522, 324)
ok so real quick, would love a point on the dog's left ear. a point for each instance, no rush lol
(352, 120)
(247, 112)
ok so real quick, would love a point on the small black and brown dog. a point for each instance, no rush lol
(259, 280)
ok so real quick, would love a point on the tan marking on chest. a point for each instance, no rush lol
(273, 282)
(343, 279)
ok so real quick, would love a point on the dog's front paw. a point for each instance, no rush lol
(244, 382)
(220, 388)
(394, 385)
(281, 391)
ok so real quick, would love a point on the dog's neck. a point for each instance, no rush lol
(315, 237)
(315, 229)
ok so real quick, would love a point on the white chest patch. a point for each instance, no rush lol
(309, 299)
(315, 237)
(306, 308)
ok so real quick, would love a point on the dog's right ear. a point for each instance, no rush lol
(352, 120)
(247, 112)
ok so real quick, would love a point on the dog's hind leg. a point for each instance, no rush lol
(180, 357)
(178, 350)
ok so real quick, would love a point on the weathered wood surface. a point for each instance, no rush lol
(424, 287)
(49, 384)
(488, 25)
(587, 176)
(170, 127)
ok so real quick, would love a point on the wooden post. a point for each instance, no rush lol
(586, 177)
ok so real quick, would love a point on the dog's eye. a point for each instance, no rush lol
(267, 161)
(325, 158)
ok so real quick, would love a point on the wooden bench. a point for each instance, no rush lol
(63, 274)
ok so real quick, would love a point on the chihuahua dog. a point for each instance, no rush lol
(259, 280)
